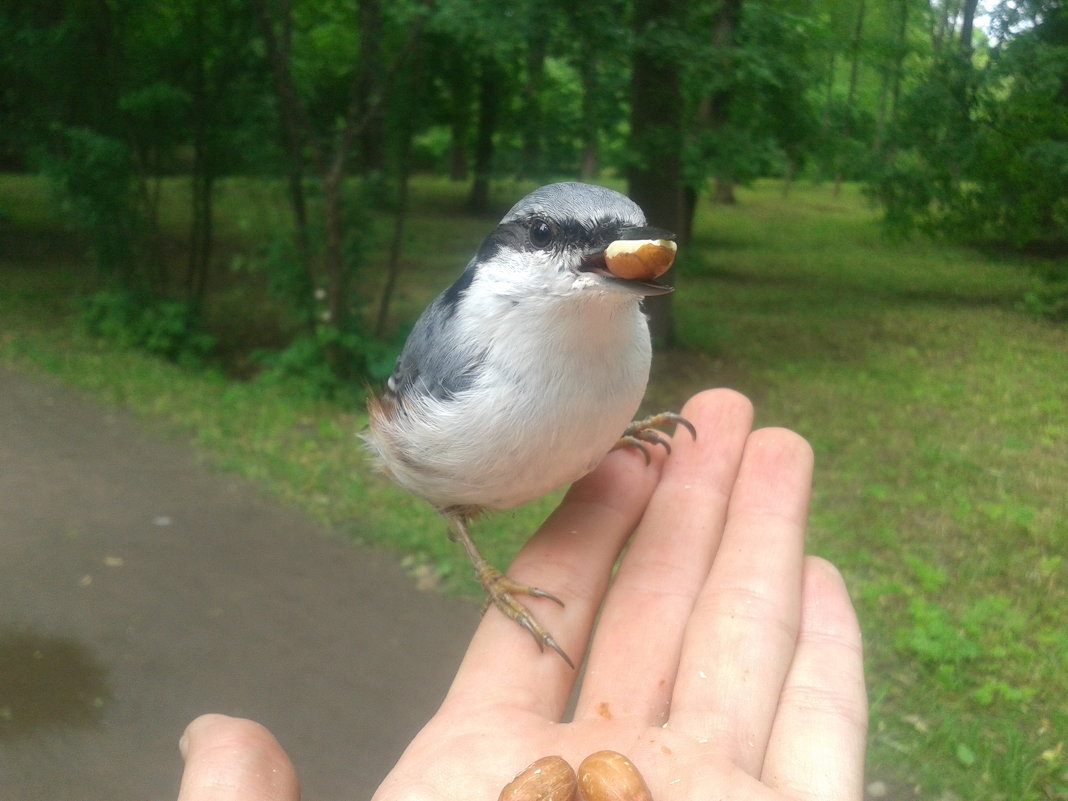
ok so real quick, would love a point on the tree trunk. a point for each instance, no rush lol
(854, 51)
(458, 166)
(456, 72)
(828, 99)
(400, 218)
(899, 61)
(943, 15)
(295, 128)
(724, 34)
(967, 26)
(203, 171)
(489, 98)
(591, 133)
(655, 176)
(201, 236)
(368, 90)
(896, 73)
(334, 267)
(788, 175)
(883, 109)
(724, 193)
(401, 128)
(851, 93)
(713, 113)
(537, 47)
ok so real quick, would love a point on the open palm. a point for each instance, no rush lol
(724, 662)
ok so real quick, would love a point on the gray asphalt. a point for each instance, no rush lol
(140, 589)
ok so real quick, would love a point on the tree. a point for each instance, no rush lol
(325, 293)
(714, 109)
(595, 42)
(981, 153)
(654, 176)
(490, 85)
(892, 73)
(748, 81)
(215, 55)
(110, 97)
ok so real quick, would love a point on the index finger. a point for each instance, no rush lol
(635, 656)
(571, 556)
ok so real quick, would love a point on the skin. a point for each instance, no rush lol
(726, 663)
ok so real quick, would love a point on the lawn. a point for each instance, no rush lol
(936, 407)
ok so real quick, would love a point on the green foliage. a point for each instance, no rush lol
(758, 88)
(968, 144)
(981, 153)
(156, 115)
(323, 357)
(93, 182)
(1021, 162)
(935, 641)
(168, 328)
(329, 363)
(936, 409)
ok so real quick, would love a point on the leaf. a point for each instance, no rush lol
(965, 755)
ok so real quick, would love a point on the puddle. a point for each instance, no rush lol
(47, 682)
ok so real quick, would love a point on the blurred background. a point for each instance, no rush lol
(225, 216)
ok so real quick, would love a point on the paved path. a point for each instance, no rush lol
(138, 589)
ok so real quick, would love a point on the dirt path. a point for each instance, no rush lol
(139, 589)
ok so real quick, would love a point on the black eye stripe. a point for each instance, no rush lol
(570, 233)
(516, 235)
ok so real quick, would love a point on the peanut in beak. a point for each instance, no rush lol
(639, 259)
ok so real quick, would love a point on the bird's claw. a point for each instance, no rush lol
(501, 592)
(640, 432)
(542, 637)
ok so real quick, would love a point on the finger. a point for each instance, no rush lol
(229, 759)
(816, 750)
(571, 556)
(742, 633)
(636, 649)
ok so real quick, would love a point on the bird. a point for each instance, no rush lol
(520, 377)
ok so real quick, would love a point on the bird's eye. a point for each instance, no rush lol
(541, 234)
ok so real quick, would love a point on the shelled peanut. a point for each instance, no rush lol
(602, 776)
(610, 776)
(640, 259)
(548, 779)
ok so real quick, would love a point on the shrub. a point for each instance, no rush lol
(167, 328)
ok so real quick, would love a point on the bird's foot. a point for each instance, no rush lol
(640, 432)
(501, 592)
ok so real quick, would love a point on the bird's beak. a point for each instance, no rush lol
(635, 260)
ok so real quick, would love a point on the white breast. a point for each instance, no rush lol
(563, 377)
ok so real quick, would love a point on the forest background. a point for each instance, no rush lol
(263, 193)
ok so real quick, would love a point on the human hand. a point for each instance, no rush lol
(724, 663)
(231, 759)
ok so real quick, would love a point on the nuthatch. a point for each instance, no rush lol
(521, 376)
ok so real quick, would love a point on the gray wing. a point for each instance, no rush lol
(434, 361)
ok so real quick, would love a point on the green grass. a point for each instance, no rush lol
(936, 408)
(940, 423)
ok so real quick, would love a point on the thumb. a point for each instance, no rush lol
(231, 759)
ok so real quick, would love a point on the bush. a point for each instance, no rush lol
(330, 362)
(1049, 296)
(981, 155)
(167, 328)
(93, 180)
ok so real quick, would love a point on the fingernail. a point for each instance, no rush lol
(183, 745)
